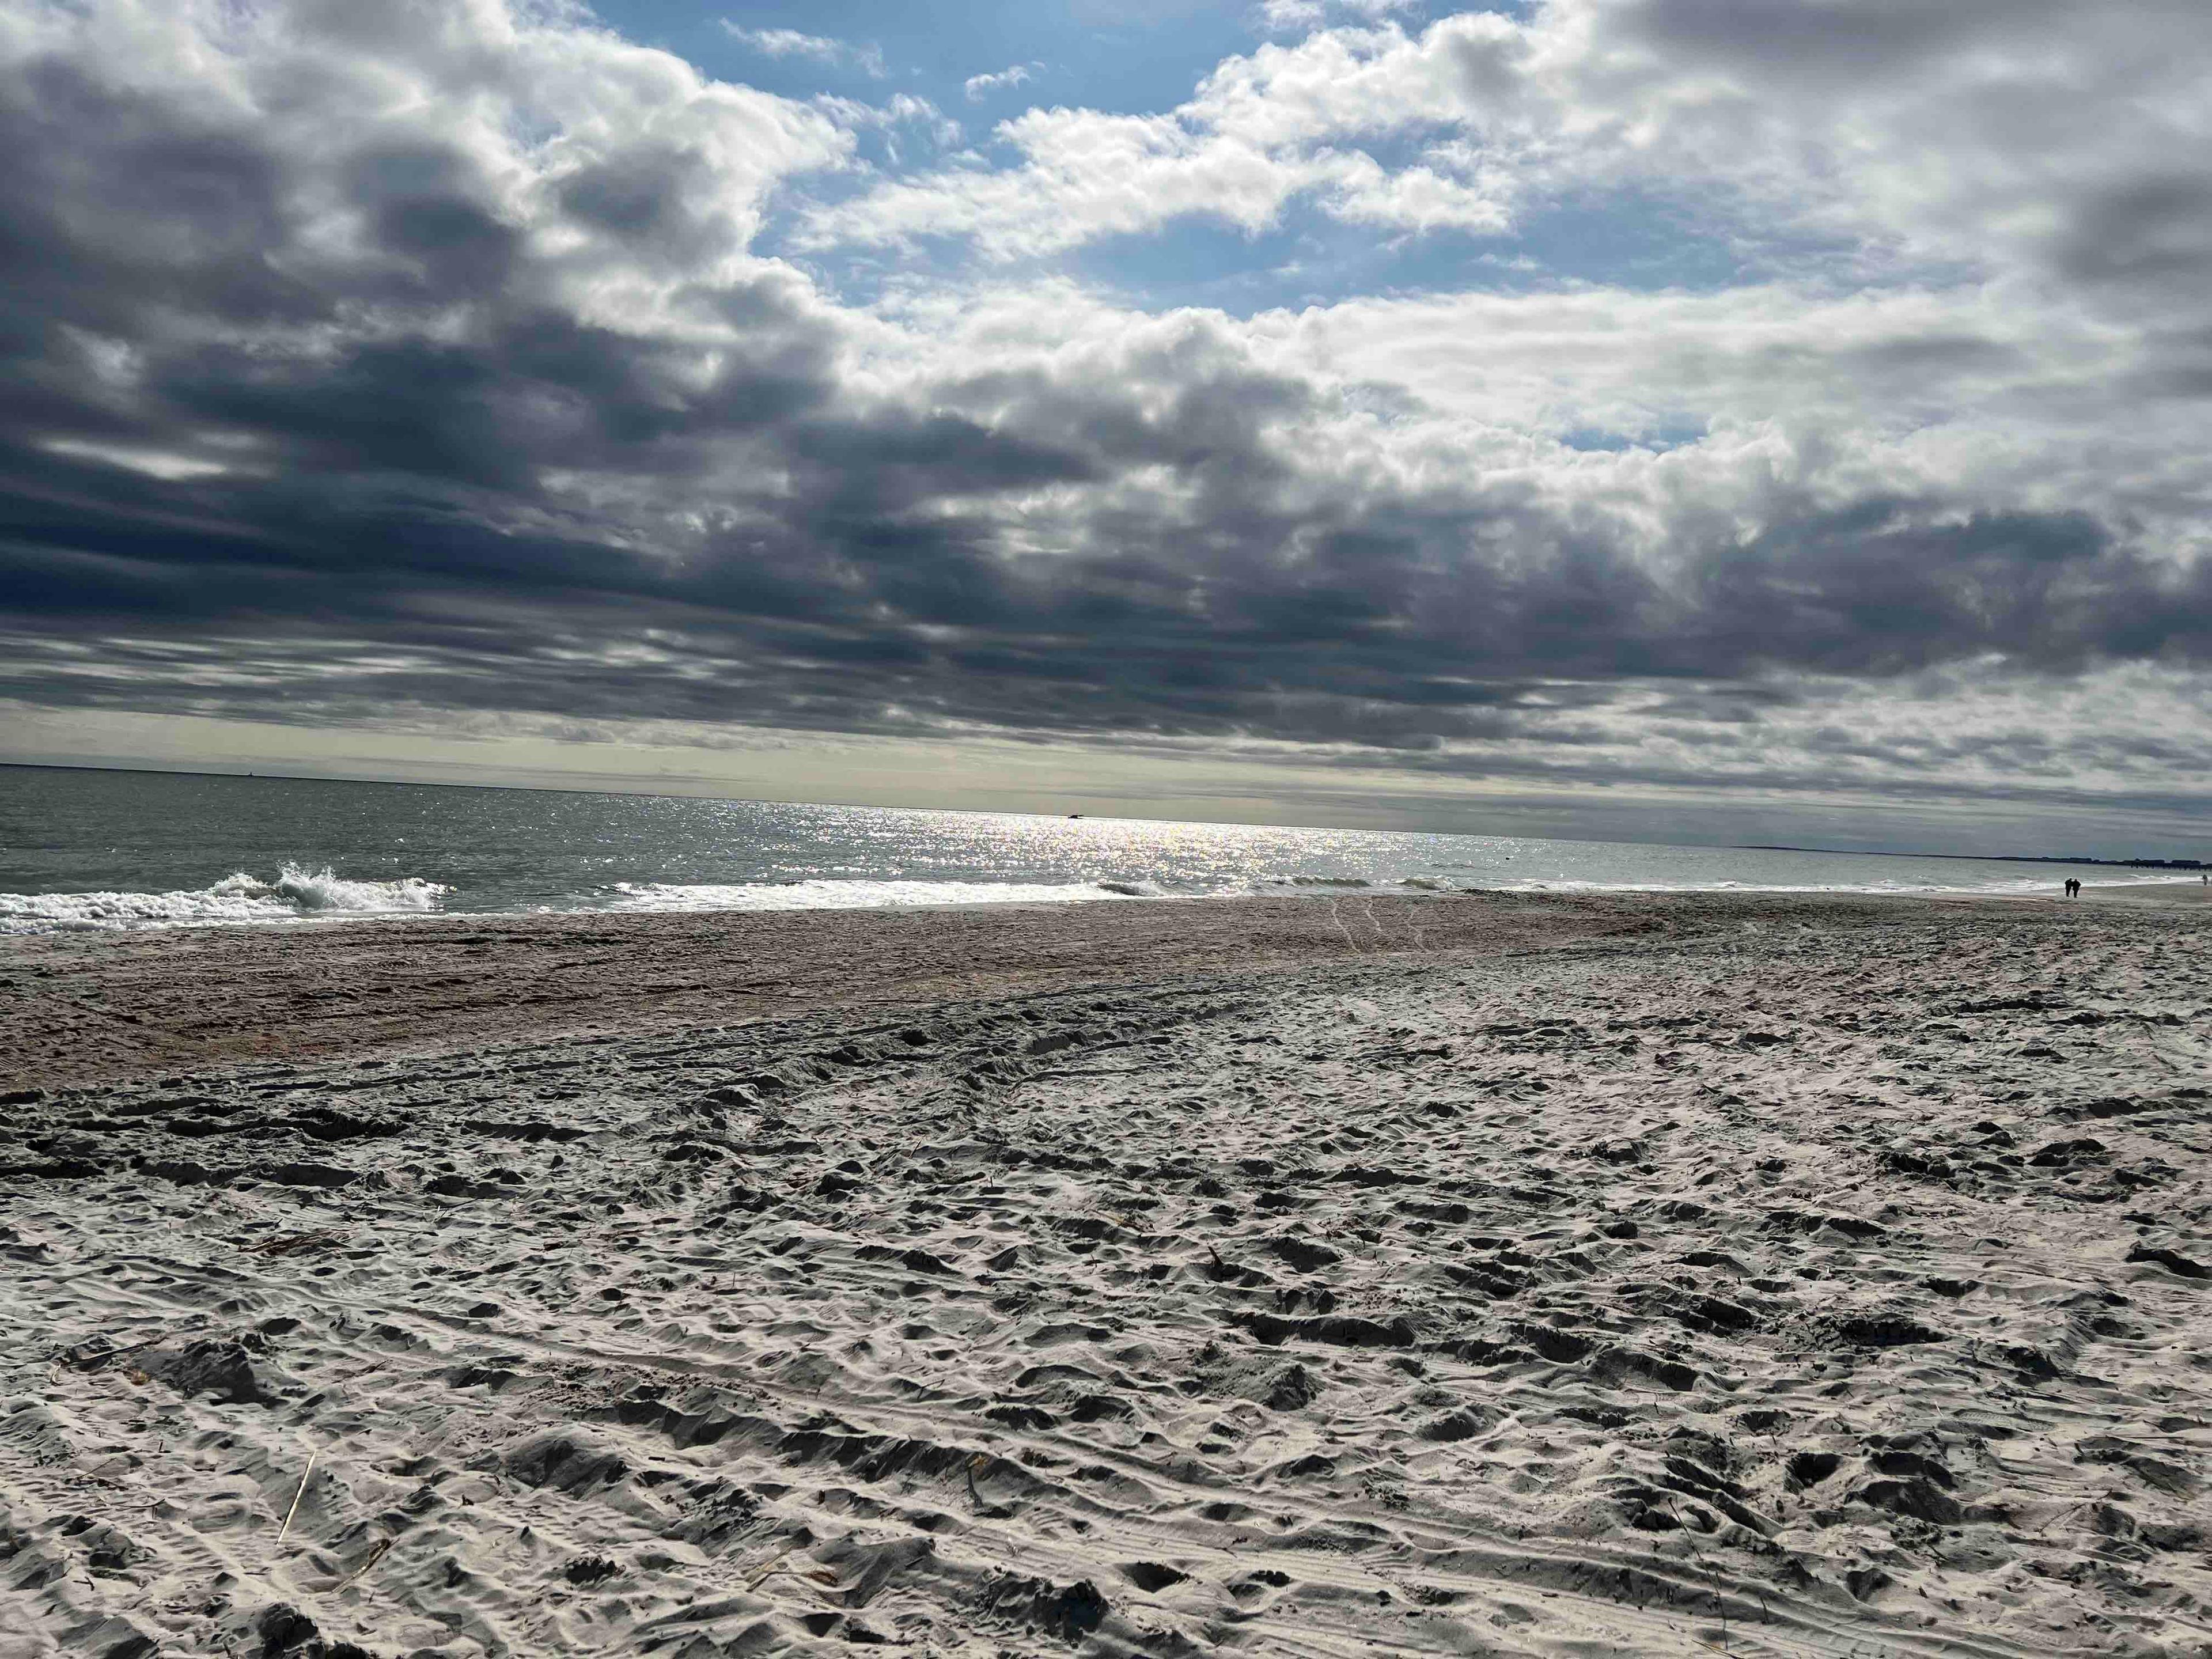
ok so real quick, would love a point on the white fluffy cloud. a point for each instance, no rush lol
(2047, 139)
(1259, 132)
(1286, 16)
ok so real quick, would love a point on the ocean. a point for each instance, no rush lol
(91, 850)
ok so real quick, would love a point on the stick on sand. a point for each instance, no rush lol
(296, 1497)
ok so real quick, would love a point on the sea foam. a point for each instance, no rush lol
(864, 894)
(295, 892)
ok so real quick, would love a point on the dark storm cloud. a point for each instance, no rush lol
(371, 426)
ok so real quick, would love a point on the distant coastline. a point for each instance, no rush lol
(1991, 858)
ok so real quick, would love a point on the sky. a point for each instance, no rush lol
(1698, 419)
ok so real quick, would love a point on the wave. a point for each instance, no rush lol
(866, 895)
(295, 893)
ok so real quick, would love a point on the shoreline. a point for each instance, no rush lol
(1518, 1275)
(80, 1007)
(2171, 889)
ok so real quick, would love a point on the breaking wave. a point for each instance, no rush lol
(295, 892)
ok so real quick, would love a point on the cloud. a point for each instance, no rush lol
(1260, 132)
(900, 116)
(2038, 137)
(1288, 15)
(821, 48)
(1016, 74)
(368, 369)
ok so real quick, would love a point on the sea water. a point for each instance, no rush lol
(83, 849)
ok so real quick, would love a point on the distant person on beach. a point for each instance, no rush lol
(2073, 888)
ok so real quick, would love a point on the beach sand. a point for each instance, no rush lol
(2157, 895)
(1511, 1274)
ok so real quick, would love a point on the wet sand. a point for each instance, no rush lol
(1506, 1274)
(2150, 895)
(80, 1007)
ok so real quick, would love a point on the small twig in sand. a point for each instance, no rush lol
(100, 1359)
(1697, 1555)
(296, 1497)
(2060, 1515)
(774, 1562)
(370, 1560)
